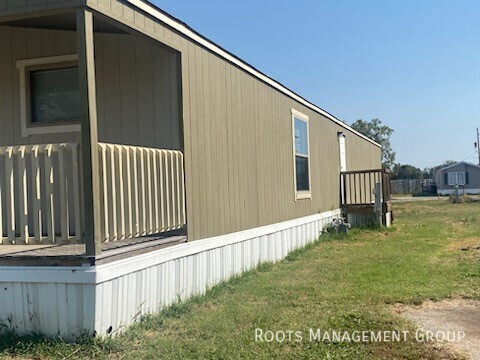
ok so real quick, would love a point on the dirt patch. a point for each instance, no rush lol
(451, 317)
(469, 247)
(470, 243)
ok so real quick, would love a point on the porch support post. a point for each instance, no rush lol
(91, 174)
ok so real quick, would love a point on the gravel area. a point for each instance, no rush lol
(451, 317)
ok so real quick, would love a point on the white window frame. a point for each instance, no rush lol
(454, 175)
(303, 194)
(23, 67)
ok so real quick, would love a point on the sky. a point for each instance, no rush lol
(415, 65)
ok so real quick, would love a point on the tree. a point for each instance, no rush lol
(379, 133)
(429, 172)
(406, 172)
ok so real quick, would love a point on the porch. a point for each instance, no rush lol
(142, 203)
(103, 180)
(366, 196)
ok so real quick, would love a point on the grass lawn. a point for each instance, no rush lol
(347, 283)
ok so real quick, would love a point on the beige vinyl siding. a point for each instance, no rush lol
(137, 87)
(17, 9)
(238, 143)
(19, 44)
(237, 130)
(26, 5)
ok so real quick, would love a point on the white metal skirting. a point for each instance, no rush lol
(69, 301)
(460, 191)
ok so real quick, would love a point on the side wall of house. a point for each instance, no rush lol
(137, 87)
(238, 140)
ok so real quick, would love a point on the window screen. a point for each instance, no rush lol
(54, 95)
(301, 155)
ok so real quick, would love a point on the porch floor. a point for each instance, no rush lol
(74, 255)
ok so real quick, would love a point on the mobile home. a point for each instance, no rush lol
(140, 161)
(461, 177)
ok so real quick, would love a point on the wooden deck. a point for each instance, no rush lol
(358, 193)
(74, 255)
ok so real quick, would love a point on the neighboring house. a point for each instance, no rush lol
(462, 175)
(125, 134)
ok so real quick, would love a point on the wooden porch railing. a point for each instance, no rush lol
(41, 202)
(143, 191)
(358, 191)
(358, 186)
(40, 194)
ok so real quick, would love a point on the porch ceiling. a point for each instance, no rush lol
(64, 21)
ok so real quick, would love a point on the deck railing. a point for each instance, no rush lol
(142, 191)
(358, 186)
(40, 194)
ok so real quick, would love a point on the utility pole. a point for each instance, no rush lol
(477, 146)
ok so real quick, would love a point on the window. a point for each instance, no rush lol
(456, 178)
(49, 95)
(302, 155)
(54, 95)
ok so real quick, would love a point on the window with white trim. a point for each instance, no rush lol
(456, 178)
(49, 95)
(54, 95)
(301, 149)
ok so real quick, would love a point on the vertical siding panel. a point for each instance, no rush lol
(34, 44)
(174, 119)
(144, 75)
(243, 148)
(208, 99)
(100, 86)
(128, 92)
(229, 150)
(259, 152)
(223, 152)
(111, 80)
(253, 190)
(18, 52)
(280, 137)
(163, 101)
(7, 75)
(217, 146)
(237, 151)
(202, 209)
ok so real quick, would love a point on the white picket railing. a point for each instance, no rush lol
(40, 194)
(142, 191)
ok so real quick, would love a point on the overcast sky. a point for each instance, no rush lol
(415, 65)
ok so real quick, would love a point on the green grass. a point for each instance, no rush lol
(339, 283)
